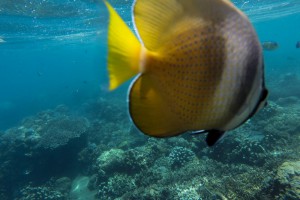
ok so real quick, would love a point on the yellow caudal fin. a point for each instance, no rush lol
(158, 21)
(123, 50)
(149, 110)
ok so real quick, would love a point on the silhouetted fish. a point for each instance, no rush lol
(270, 45)
(199, 62)
(298, 45)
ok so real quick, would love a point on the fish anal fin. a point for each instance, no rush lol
(150, 112)
(213, 137)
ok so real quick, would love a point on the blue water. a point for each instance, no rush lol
(54, 52)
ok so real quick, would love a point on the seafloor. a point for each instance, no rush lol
(96, 153)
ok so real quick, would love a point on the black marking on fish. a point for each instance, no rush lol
(246, 85)
(263, 96)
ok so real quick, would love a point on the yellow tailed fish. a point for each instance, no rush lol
(199, 65)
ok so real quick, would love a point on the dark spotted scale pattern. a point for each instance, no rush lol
(199, 72)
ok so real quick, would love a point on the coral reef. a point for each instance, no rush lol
(39, 193)
(111, 160)
(60, 131)
(59, 155)
(179, 156)
(44, 146)
(288, 177)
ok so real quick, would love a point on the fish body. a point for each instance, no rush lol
(270, 45)
(298, 45)
(199, 66)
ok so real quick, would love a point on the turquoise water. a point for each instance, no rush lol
(54, 51)
(53, 77)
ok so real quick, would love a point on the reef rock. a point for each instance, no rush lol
(288, 177)
(111, 160)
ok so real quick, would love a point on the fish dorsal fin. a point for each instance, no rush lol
(157, 20)
(149, 110)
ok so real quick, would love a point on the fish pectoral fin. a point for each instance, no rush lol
(123, 50)
(149, 110)
(213, 137)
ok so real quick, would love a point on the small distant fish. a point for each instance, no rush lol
(298, 45)
(2, 40)
(27, 172)
(199, 66)
(270, 45)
